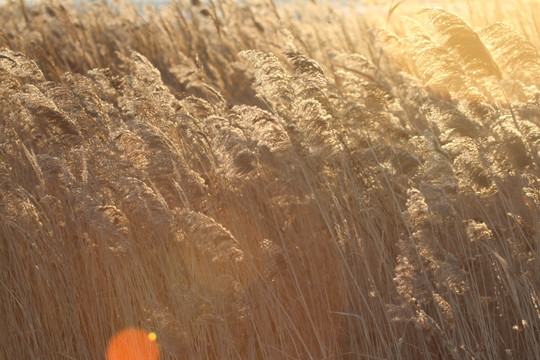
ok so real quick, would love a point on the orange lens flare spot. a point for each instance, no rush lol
(133, 344)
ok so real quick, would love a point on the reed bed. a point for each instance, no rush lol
(252, 180)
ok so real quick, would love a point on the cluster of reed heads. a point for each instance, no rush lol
(270, 181)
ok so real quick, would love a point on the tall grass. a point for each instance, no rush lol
(262, 181)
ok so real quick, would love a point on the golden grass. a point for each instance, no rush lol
(262, 181)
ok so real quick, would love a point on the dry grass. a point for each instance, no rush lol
(270, 182)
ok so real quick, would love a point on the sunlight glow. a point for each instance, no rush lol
(133, 344)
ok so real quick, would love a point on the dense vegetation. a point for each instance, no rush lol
(252, 181)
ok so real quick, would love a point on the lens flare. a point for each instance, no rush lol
(133, 344)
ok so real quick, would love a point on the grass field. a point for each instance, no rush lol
(250, 180)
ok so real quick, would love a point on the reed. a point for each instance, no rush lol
(270, 181)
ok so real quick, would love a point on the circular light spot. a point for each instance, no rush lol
(133, 344)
